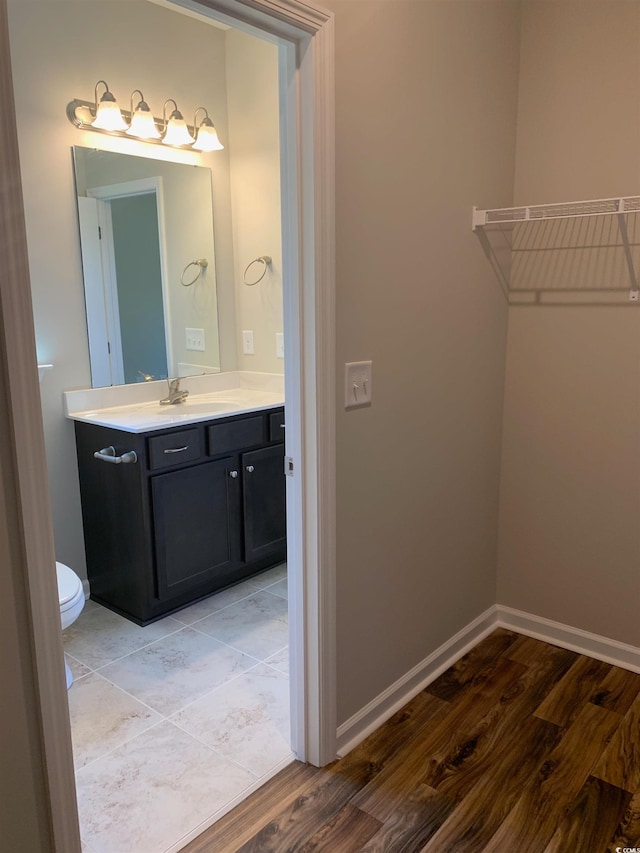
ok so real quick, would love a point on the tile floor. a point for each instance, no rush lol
(172, 722)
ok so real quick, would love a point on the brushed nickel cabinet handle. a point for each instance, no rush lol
(250, 469)
(176, 449)
(108, 454)
(233, 474)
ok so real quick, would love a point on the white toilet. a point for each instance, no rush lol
(71, 595)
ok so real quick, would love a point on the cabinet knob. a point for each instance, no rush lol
(233, 474)
(250, 469)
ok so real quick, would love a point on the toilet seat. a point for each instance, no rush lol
(71, 598)
(70, 595)
(69, 587)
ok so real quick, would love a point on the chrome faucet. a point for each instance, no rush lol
(175, 395)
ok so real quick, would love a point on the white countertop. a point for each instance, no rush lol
(204, 402)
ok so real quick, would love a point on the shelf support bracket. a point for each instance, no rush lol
(627, 248)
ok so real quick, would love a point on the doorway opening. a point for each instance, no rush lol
(306, 37)
(206, 687)
(126, 288)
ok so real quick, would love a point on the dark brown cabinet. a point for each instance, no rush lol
(263, 506)
(202, 508)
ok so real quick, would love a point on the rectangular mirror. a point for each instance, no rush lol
(146, 235)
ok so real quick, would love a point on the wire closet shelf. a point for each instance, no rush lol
(510, 217)
(538, 212)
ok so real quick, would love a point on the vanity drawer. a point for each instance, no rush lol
(175, 448)
(276, 426)
(231, 436)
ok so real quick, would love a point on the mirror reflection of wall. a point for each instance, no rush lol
(142, 222)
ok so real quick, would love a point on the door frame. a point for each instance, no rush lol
(307, 56)
(104, 195)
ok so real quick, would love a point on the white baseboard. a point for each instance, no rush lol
(372, 716)
(368, 719)
(575, 639)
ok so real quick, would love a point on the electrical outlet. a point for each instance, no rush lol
(247, 342)
(194, 339)
(279, 345)
(633, 296)
(357, 384)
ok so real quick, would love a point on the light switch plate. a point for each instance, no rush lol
(194, 339)
(247, 342)
(279, 345)
(357, 384)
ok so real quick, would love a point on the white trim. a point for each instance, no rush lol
(311, 30)
(25, 504)
(94, 291)
(111, 301)
(567, 637)
(373, 715)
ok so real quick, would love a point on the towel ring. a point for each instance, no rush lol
(263, 259)
(202, 264)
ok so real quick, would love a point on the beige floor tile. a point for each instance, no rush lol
(177, 670)
(280, 660)
(100, 636)
(103, 717)
(215, 602)
(271, 576)
(257, 625)
(146, 795)
(246, 720)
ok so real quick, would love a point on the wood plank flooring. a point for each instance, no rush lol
(520, 747)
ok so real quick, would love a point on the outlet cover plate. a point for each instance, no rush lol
(247, 342)
(358, 377)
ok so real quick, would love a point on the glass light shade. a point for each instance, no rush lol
(177, 132)
(108, 115)
(207, 138)
(142, 124)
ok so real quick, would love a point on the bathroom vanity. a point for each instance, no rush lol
(174, 513)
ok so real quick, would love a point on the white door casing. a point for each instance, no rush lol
(305, 34)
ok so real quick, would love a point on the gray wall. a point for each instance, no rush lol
(569, 533)
(426, 106)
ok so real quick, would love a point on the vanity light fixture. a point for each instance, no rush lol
(104, 116)
(107, 111)
(142, 124)
(207, 136)
(176, 131)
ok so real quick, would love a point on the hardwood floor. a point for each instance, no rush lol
(520, 747)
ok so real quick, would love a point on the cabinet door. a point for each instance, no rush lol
(196, 527)
(265, 526)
